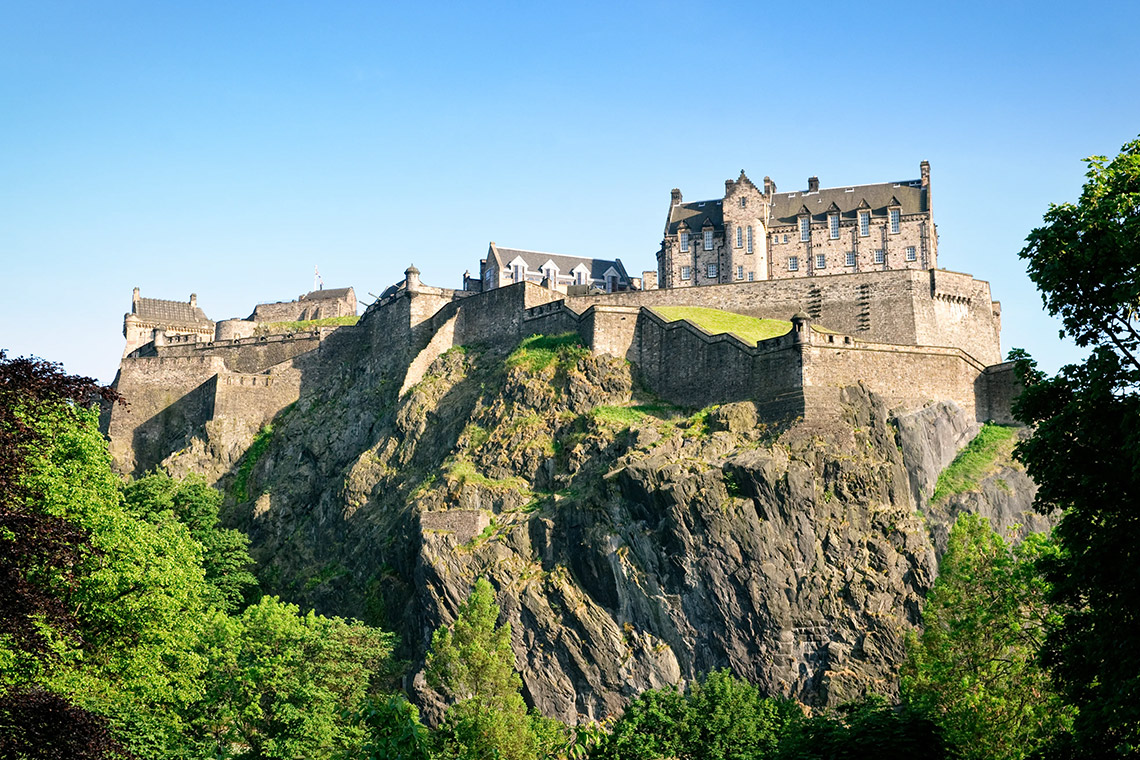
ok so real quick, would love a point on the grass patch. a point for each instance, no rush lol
(619, 416)
(273, 328)
(973, 462)
(463, 471)
(749, 329)
(252, 454)
(538, 352)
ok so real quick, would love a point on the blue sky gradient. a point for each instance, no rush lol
(227, 148)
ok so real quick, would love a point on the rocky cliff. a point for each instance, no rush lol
(632, 544)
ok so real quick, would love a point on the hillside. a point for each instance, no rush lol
(632, 543)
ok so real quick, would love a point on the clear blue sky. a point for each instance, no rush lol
(227, 148)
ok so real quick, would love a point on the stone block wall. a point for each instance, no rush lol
(253, 400)
(914, 232)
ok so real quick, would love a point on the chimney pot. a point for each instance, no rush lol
(813, 184)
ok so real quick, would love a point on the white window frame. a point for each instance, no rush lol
(896, 221)
(684, 241)
(851, 258)
(711, 271)
(739, 272)
(751, 276)
(708, 236)
(833, 226)
(864, 224)
(805, 229)
(821, 261)
(686, 273)
(880, 256)
(911, 254)
(739, 236)
(793, 263)
(518, 272)
(750, 240)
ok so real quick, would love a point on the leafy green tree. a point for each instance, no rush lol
(284, 685)
(867, 730)
(393, 730)
(721, 718)
(225, 552)
(473, 665)
(1084, 454)
(975, 670)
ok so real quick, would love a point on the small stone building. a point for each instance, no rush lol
(319, 304)
(505, 266)
(150, 318)
(755, 233)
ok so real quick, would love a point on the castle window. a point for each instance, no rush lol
(864, 223)
(708, 240)
(519, 272)
(793, 263)
(740, 273)
(851, 258)
(710, 271)
(805, 228)
(785, 238)
(880, 257)
(751, 276)
(895, 217)
(743, 202)
(820, 261)
(579, 277)
(910, 255)
(686, 273)
(833, 225)
(684, 241)
(750, 240)
(739, 237)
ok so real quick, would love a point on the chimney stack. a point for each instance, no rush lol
(813, 184)
(193, 300)
(924, 167)
(676, 195)
(769, 186)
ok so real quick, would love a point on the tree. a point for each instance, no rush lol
(473, 665)
(974, 670)
(866, 730)
(1084, 454)
(225, 552)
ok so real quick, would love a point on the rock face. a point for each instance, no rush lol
(632, 545)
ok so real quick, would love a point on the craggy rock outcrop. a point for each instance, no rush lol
(632, 544)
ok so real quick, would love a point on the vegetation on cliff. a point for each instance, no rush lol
(751, 330)
(980, 457)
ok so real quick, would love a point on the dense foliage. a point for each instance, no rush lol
(1085, 451)
(974, 669)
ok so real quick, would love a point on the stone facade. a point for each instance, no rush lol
(914, 337)
(153, 317)
(757, 233)
(319, 304)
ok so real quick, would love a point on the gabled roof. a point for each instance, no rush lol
(319, 295)
(909, 194)
(174, 313)
(535, 259)
(696, 215)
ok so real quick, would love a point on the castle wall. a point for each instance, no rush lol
(1001, 388)
(169, 399)
(252, 400)
(232, 329)
(883, 307)
(304, 309)
(685, 365)
(251, 355)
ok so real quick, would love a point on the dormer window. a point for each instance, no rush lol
(833, 226)
(739, 237)
(864, 223)
(684, 241)
(708, 240)
(518, 272)
(896, 215)
(805, 228)
(579, 277)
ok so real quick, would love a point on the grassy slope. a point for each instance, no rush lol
(974, 462)
(749, 329)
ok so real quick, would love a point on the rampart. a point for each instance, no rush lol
(913, 337)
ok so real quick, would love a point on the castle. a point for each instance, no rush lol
(911, 332)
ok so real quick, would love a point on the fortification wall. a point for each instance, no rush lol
(252, 400)
(169, 399)
(253, 354)
(1001, 389)
(233, 329)
(908, 377)
(686, 365)
(896, 306)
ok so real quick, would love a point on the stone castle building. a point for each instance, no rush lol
(154, 317)
(505, 266)
(317, 304)
(755, 233)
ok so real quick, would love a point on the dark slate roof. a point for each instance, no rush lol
(170, 312)
(535, 259)
(695, 215)
(910, 195)
(330, 293)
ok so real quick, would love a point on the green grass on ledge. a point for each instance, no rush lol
(273, 328)
(749, 329)
(974, 462)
